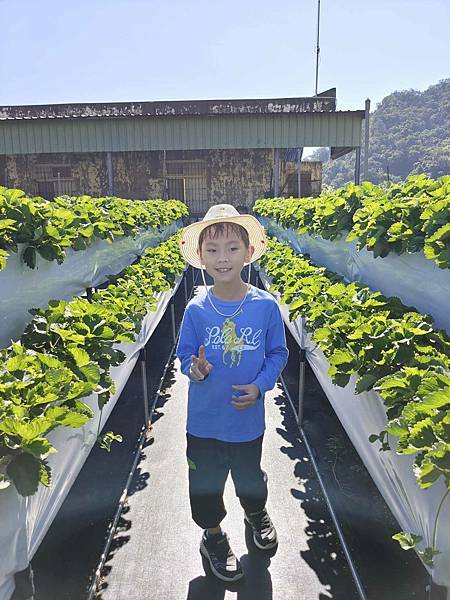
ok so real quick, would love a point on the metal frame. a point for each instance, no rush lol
(358, 165)
(366, 139)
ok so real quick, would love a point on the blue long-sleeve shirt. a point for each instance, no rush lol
(248, 348)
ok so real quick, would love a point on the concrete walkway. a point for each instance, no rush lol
(155, 553)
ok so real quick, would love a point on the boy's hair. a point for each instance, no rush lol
(216, 229)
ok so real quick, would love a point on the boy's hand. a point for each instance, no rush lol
(200, 367)
(248, 399)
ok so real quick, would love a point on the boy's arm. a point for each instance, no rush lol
(187, 343)
(276, 353)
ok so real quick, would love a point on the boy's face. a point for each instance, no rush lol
(224, 256)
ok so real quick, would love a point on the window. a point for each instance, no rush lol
(186, 181)
(52, 180)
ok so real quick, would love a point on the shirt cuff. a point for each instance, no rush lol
(262, 390)
(199, 380)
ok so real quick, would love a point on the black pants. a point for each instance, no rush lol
(210, 461)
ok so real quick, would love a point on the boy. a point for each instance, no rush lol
(232, 342)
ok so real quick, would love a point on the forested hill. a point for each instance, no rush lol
(409, 133)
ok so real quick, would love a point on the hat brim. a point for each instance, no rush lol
(189, 237)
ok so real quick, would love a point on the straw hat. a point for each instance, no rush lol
(221, 213)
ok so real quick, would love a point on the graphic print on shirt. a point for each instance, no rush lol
(227, 340)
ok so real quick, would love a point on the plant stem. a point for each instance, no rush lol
(99, 421)
(437, 517)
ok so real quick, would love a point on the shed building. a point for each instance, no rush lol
(202, 152)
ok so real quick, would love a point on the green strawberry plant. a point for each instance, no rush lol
(391, 347)
(406, 217)
(65, 355)
(48, 228)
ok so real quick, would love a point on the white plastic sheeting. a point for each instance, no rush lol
(25, 521)
(22, 288)
(362, 415)
(401, 275)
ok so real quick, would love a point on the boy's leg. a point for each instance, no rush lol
(208, 462)
(250, 481)
(208, 472)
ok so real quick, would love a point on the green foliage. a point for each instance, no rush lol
(48, 228)
(409, 134)
(406, 217)
(107, 439)
(64, 355)
(393, 350)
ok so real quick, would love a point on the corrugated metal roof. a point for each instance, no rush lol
(278, 130)
(177, 108)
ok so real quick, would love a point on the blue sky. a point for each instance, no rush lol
(120, 50)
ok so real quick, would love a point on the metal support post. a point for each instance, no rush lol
(358, 165)
(366, 140)
(143, 359)
(165, 182)
(301, 385)
(109, 169)
(317, 48)
(172, 314)
(299, 171)
(185, 288)
(276, 172)
(24, 580)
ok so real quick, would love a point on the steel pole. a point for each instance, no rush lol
(276, 172)
(317, 46)
(299, 171)
(165, 194)
(185, 288)
(301, 385)
(143, 359)
(366, 140)
(109, 169)
(358, 165)
(172, 314)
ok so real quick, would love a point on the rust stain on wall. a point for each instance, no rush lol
(138, 174)
(91, 174)
(237, 177)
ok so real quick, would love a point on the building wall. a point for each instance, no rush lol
(2, 170)
(311, 178)
(89, 173)
(137, 174)
(237, 177)
(18, 172)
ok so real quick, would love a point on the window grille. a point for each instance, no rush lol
(52, 180)
(186, 181)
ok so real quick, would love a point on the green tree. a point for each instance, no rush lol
(409, 133)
